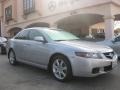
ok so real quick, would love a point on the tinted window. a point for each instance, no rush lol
(34, 33)
(22, 35)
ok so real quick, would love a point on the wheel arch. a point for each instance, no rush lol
(11, 49)
(55, 54)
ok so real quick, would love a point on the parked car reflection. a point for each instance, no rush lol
(113, 43)
(3, 42)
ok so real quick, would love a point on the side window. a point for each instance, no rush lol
(23, 35)
(34, 33)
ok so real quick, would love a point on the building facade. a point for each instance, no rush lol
(76, 16)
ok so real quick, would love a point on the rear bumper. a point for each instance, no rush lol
(92, 67)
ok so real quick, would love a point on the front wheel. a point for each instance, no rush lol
(12, 58)
(61, 68)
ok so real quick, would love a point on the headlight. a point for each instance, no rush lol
(88, 55)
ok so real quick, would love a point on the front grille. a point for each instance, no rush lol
(109, 55)
(95, 70)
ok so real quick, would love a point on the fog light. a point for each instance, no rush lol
(95, 70)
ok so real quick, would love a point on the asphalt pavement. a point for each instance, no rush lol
(25, 77)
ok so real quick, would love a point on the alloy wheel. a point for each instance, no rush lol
(59, 69)
(12, 58)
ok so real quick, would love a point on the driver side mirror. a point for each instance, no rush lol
(40, 39)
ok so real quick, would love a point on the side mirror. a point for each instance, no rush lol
(39, 39)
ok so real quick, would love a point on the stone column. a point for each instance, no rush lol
(2, 28)
(90, 31)
(109, 27)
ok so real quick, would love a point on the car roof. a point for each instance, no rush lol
(43, 28)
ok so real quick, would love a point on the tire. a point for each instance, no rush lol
(118, 58)
(12, 57)
(61, 68)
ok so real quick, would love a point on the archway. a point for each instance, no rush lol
(14, 31)
(81, 24)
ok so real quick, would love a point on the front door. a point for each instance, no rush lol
(35, 51)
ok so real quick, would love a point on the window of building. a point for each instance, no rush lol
(28, 6)
(8, 13)
(100, 30)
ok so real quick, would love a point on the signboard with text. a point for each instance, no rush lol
(57, 6)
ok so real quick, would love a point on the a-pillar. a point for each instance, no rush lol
(109, 27)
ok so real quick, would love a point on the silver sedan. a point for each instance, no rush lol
(64, 54)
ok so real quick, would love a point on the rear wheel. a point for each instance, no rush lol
(61, 68)
(12, 58)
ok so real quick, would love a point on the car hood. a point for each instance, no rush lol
(87, 46)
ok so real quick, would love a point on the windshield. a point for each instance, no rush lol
(60, 35)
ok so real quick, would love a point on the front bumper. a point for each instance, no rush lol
(88, 67)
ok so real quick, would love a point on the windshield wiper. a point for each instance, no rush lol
(74, 39)
(68, 40)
